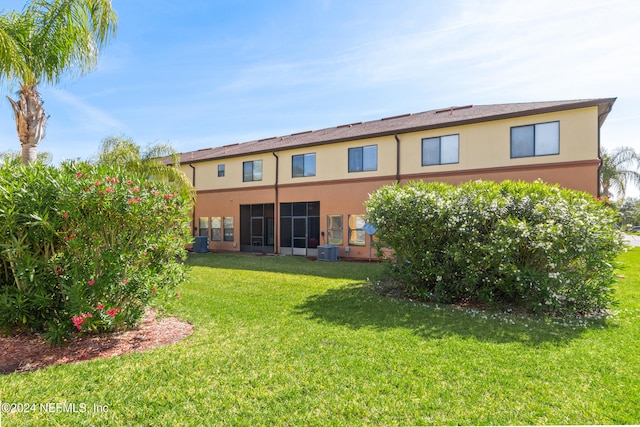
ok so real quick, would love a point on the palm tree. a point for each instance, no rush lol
(619, 167)
(125, 152)
(43, 157)
(49, 40)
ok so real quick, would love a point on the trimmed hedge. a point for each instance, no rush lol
(86, 247)
(528, 245)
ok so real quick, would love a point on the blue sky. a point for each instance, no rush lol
(205, 73)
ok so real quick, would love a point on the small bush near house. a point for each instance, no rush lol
(530, 245)
(86, 247)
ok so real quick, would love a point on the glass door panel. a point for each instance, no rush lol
(257, 234)
(300, 236)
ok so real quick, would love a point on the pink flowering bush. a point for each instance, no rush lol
(87, 247)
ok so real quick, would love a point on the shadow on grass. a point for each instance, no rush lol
(285, 265)
(358, 306)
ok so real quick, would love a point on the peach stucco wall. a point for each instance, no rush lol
(484, 153)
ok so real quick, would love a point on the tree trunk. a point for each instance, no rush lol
(29, 153)
(30, 121)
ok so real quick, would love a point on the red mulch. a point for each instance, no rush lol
(25, 353)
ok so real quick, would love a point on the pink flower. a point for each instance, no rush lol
(99, 306)
(66, 215)
(125, 281)
(136, 200)
(73, 236)
(97, 183)
(113, 312)
(109, 190)
(91, 282)
(79, 175)
(59, 272)
(153, 290)
(78, 321)
(178, 295)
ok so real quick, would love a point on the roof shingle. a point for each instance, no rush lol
(433, 119)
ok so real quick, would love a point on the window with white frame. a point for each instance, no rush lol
(216, 228)
(334, 230)
(542, 139)
(363, 158)
(357, 235)
(228, 229)
(220, 170)
(203, 223)
(440, 150)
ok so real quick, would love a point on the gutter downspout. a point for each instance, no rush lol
(397, 158)
(193, 227)
(276, 208)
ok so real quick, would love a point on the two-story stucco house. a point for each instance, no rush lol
(290, 194)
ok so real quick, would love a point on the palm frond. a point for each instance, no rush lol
(619, 168)
(121, 150)
(67, 36)
(14, 30)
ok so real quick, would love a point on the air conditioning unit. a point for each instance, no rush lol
(201, 244)
(327, 253)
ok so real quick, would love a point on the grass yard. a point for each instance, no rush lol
(287, 341)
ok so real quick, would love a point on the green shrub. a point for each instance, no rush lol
(86, 247)
(529, 245)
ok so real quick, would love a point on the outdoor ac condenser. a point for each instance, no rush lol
(327, 253)
(201, 244)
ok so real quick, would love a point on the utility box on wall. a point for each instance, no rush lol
(327, 253)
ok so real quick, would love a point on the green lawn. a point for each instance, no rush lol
(287, 341)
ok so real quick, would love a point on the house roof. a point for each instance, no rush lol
(433, 119)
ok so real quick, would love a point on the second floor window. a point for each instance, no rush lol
(220, 170)
(252, 171)
(363, 158)
(303, 165)
(440, 151)
(542, 139)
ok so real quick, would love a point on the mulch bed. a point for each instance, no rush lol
(26, 353)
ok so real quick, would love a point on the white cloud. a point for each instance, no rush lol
(84, 114)
(553, 46)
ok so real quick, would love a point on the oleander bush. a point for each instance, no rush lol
(86, 247)
(528, 245)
